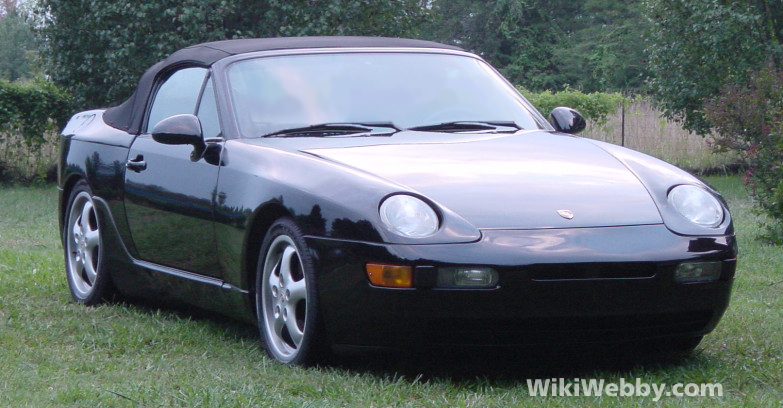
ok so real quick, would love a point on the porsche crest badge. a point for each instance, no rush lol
(567, 214)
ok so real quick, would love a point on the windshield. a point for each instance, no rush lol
(404, 90)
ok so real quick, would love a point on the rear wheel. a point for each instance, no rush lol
(287, 297)
(88, 279)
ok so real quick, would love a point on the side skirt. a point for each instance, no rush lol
(142, 279)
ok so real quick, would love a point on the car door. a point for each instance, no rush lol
(169, 189)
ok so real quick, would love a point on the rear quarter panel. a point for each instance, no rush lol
(95, 152)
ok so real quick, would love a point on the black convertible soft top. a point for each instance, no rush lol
(129, 115)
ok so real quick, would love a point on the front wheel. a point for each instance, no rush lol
(679, 344)
(684, 344)
(287, 297)
(88, 279)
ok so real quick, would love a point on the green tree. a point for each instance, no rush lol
(98, 48)
(695, 47)
(717, 67)
(17, 43)
(515, 36)
(592, 45)
(604, 49)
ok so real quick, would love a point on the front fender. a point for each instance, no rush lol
(331, 200)
(326, 199)
(658, 177)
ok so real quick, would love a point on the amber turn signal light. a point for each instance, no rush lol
(390, 276)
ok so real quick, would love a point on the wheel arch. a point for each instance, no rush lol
(67, 187)
(263, 218)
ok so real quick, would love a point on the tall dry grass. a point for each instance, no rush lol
(24, 162)
(648, 131)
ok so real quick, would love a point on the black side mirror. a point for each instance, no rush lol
(179, 130)
(567, 120)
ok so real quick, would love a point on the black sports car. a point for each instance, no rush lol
(376, 192)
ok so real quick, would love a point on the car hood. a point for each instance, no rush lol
(526, 180)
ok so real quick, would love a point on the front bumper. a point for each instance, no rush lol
(557, 285)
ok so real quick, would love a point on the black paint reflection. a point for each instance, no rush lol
(701, 245)
(361, 230)
(109, 173)
(313, 223)
(169, 207)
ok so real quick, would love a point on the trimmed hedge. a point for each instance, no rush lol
(30, 114)
(33, 108)
(593, 106)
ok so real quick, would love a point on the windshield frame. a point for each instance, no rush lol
(221, 68)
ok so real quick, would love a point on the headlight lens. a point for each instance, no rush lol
(697, 205)
(409, 216)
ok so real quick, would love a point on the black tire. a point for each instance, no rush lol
(684, 344)
(680, 344)
(287, 297)
(83, 237)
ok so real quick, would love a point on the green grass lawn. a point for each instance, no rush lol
(56, 353)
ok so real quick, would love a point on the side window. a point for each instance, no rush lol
(208, 114)
(179, 94)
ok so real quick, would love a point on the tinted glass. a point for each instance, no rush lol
(407, 89)
(179, 94)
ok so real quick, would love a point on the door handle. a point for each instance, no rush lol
(138, 164)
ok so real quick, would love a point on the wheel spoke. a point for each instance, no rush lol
(84, 220)
(285, 264)
(77, 231)
(274, 279)
(279, 324)
(297, 291)
(78, 261)
(93, 239)
(90, 270)
(293, 330)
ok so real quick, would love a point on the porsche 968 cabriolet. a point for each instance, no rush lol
(347, 192)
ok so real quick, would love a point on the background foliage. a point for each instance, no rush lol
(33, 108)
(17, 44)
(31, 113)
(590, 45)
(707, 60)
(595, 106)
(98, 48)
(749, 119)
(697, 46)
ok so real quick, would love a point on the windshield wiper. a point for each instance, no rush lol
(338, 129)
(469, 126)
